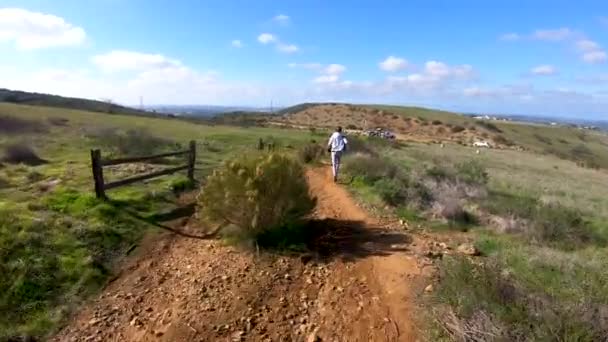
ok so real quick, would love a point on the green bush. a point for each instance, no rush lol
(311, 153)
(391, 191)
(562, 227)
(370, 168)
(181, 184)
(133, 142)
(256, 194)
(472, 172)
(21, 154)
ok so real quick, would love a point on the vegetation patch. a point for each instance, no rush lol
(56, 255)
(489, 126)
(480, 302)
(256, 195)
(13, 125)
(311, 153)
(21, 154)
(132, 142)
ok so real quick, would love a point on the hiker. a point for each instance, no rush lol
(336, 146)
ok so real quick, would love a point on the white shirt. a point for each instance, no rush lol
(337, 142)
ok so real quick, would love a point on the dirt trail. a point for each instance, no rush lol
(358, 284)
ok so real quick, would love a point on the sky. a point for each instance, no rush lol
(519, 57)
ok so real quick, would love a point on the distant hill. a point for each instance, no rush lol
(38, 99)
(204, 110)
(584, 146)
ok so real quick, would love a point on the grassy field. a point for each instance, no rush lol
(58, 244)
(539, 222)
(588, 148)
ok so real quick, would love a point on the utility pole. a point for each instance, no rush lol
(271, 107)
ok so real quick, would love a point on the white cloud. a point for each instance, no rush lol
(587, 45)
(281, 19)
(121, 60)
(327, 79)
(334, 69)
(595, 57)
(478, 92)
(543, 70)
(267, 38)
(33, 30)
(591, 52)
(441, 70)
(392, 64)
(237, 44)
(555, 35)
(307, 66)
(287, 48)
(510, 37)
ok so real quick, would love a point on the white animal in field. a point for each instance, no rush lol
(481, 144)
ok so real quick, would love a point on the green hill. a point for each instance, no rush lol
(48, 100)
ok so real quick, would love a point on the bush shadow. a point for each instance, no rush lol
(328, 239)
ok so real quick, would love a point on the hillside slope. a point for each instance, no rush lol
(587, 148)
(48, 100)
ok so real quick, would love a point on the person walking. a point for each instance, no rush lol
(336, 146)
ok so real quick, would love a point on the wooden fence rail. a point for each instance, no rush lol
(97, 165)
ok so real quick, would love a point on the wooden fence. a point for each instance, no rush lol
(97, 165)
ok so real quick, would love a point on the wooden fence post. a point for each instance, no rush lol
(97, 173)
(191, 160)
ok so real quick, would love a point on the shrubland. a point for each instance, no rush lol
(58, 243)
(538, 221)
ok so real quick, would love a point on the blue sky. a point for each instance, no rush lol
(529, 57)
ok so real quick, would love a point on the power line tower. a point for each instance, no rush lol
(141, 103)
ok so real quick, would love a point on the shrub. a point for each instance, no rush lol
(181, 184)
(499, 139)
(562, 227)
(311, 153)
(457, 129)
(483, 301)
(543, 139)
(391, 191)
(436, 122)
(581, 151)
(55, 121)
(4, 183)
(370, 168)
(360, 145)
(21, 154)
(256, 194)
(472, 172)
(489, 126)
(351, 126)
(13, 125)
(134, 142)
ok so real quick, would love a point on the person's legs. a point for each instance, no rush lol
(333, 164)
(336, 156)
